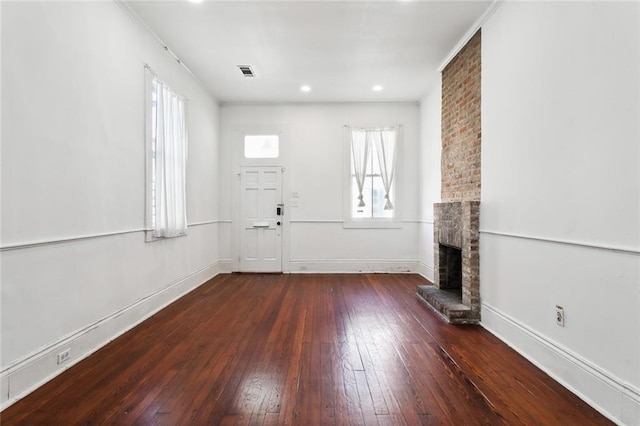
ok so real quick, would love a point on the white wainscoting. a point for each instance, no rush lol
(325, 246)
(619, 401)
(595, 354)
(34, 370)
(394, 266)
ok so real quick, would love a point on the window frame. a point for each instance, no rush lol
(149, 141)
(371, 223)
(263, 135)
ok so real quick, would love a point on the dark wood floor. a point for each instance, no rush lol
(303, 349)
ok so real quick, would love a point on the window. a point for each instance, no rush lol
(372, 161)
(261, 146)
(166, 171)
(373, 192)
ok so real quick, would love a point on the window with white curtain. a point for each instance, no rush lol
(372, 179)
(166, 163)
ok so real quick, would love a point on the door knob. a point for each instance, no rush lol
(278, 223)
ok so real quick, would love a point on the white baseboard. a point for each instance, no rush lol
(24, 376)
(617, 400)
(354, 266)
(225, 266)
(425, 270)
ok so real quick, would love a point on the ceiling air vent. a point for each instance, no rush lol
(246, 70)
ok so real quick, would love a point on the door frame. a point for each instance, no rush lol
(274, 227)
(238, 134)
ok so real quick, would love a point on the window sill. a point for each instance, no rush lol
(372, 224)
(149, 238)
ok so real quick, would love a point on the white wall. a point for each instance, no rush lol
(73, 159)
(430, 179)
(314, 136)
(560, 211)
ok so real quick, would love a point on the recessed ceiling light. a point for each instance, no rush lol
(196, 1)
(377, 88)
(305, 88)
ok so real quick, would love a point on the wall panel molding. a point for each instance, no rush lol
(65, 240)
(617, 249)
(206, 222)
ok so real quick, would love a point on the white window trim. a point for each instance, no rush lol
(349, 222)
(148, 153)
(252, 130)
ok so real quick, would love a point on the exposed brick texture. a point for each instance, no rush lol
(456, 290)
(461, 133)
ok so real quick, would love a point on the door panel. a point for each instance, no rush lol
(261, 229)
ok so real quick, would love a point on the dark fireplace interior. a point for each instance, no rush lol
(451, 279)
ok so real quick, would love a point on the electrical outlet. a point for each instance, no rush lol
(560, 315)
(64, 356)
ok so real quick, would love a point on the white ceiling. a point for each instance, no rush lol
(339, 48)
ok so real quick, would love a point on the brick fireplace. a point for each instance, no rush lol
(455, 293)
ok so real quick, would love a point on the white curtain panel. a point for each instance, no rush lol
(385, 142)
(360, 155)
(170, 163)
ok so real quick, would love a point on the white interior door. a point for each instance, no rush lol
(261, 219)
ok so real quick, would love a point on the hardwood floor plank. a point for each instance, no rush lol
(266, 349)
(211, 374)
(397, 415)
(327, 384)
(364, 396)
(373, 383)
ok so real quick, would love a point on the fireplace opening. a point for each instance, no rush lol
(455, 292)
(451, 269)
